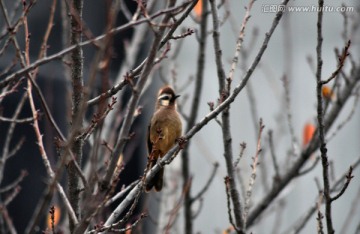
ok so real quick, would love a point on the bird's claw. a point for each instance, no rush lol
(182, 142)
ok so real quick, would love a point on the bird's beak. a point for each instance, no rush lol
(176, 96)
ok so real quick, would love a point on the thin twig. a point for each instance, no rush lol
(242, 150)
(305, 171)
(348, 118)
(294, 141)
(6, 216)
(348, 177)
(175, 211)
(50, 25)
(116, 88)
(18, 121)
(273, 156)
(352, 213)
(240, 40)
(341, 63)
(10, 197)
(253, 173)
(15, 183)
(113, 229)
(9, 135)
(132, 226)
(124, 9)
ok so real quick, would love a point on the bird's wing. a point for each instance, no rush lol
(149, 143)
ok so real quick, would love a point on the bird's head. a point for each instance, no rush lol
(167, 97)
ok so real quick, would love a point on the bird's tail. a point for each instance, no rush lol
(156, 181)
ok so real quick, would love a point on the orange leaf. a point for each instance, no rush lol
(228, 230)
(327, 93)
(308, 133)
(198, 9)
(129, 230)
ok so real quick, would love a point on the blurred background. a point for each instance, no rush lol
(290, 49)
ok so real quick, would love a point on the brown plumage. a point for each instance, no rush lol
(164, 129)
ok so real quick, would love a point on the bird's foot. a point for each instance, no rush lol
(182, 142)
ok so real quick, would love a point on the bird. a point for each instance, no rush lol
(164, 130)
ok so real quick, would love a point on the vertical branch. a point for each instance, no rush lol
(192, 118)
(320, 115)
(320, 216)
(65, 35)
(294, 141)
(227, 140)
(217, 49)
(77, 97)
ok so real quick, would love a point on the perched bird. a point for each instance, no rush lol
(164, 130)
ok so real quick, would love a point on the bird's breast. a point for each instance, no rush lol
(165, 128)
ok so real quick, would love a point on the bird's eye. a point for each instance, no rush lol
(164, 97)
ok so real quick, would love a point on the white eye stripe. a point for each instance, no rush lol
(164, 96)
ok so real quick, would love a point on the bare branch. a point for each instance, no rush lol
(342, 59)
(294, 141)
(18, 121)
(320, 115)
(228, 199)
(320, 216)
(242, 149)
(15, 183)
(273, 156)
(305, 171)
(348, 177)
(240, 40)
(348, 118)
(253, 173)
